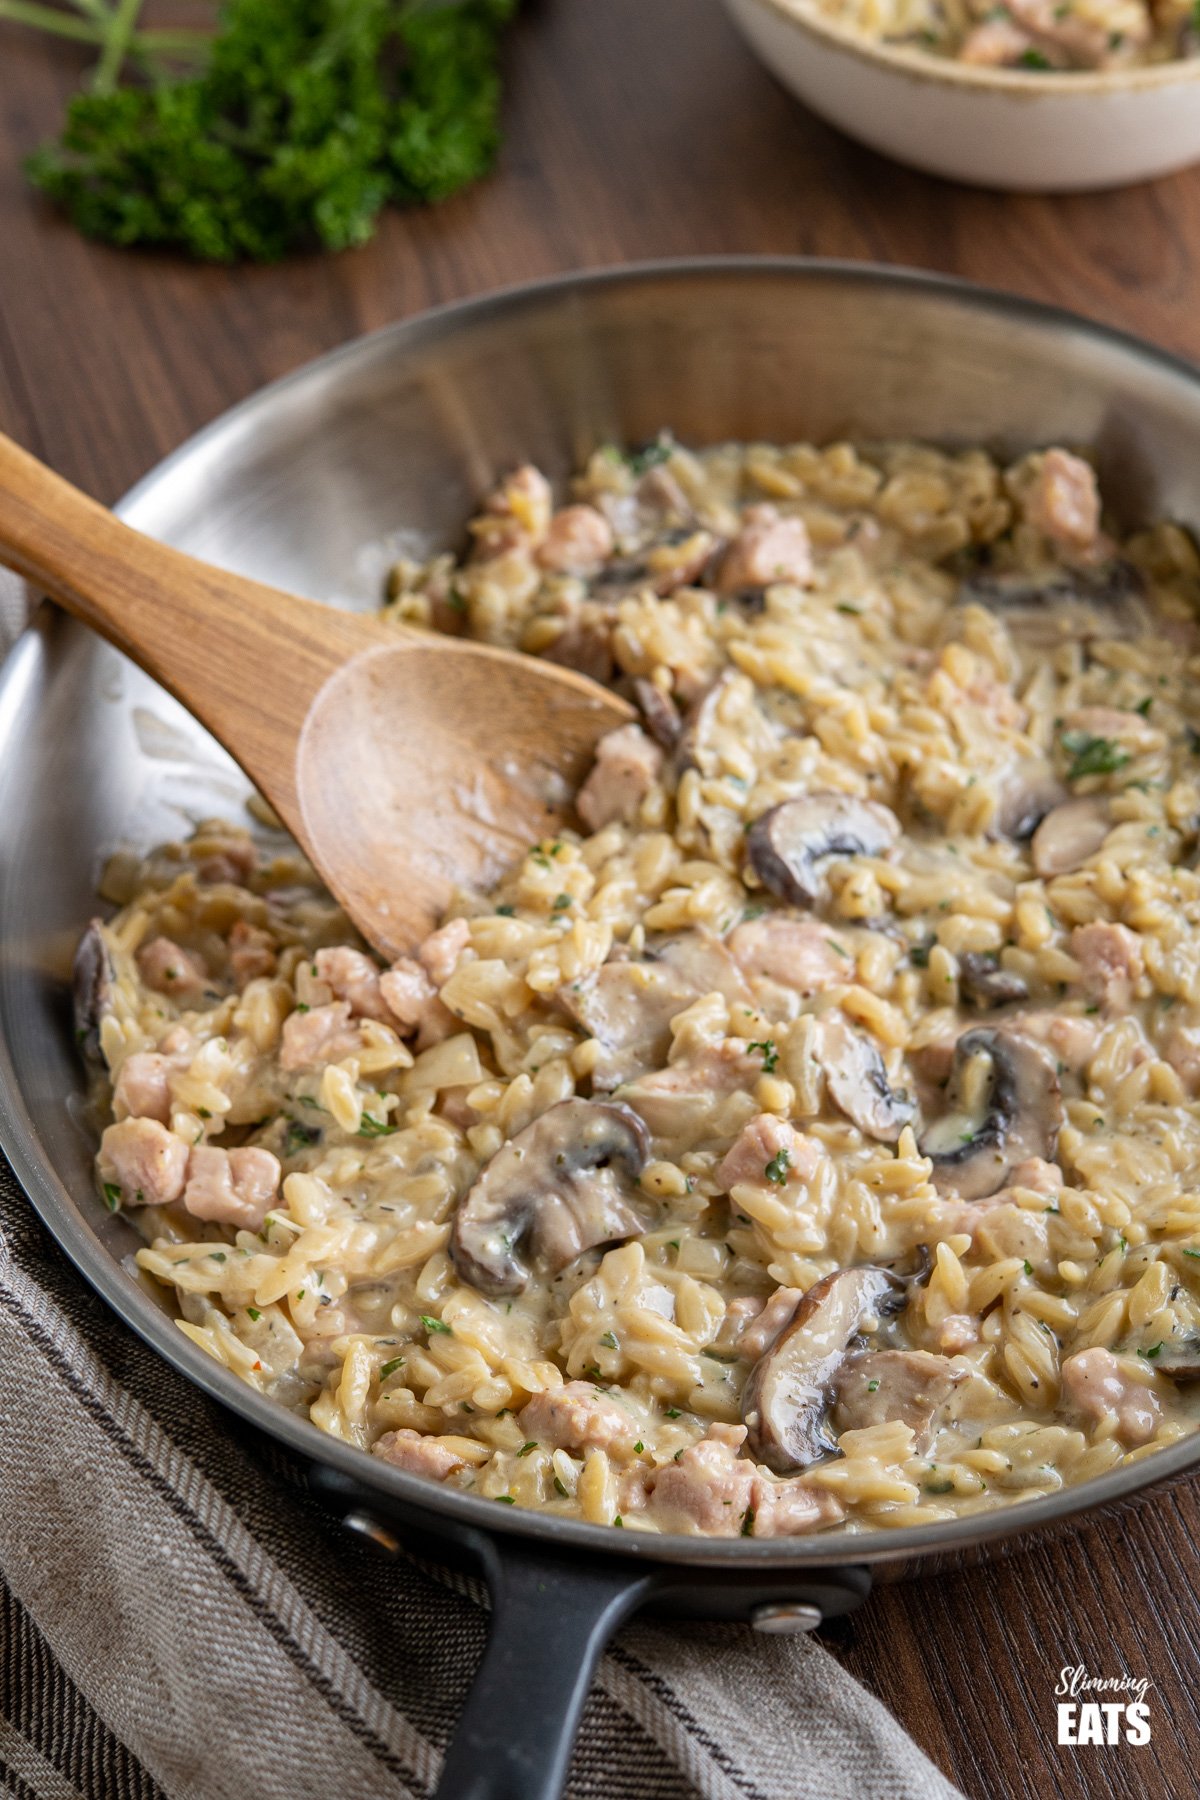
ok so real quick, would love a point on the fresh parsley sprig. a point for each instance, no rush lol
(306, 118)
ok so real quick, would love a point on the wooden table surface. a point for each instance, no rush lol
(642, 128)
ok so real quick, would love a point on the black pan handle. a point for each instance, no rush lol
(550, 1623)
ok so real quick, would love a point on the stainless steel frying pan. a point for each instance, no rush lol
(382, 447)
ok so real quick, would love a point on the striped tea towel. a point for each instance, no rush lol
(178, 1619)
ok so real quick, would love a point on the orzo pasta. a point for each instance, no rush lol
(1031, 34)
(813, 1138)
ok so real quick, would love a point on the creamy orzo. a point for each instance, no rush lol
(1040, 35)
(810, 1139)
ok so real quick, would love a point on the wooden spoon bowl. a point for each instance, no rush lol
(406, 765)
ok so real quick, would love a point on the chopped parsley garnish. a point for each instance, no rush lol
(1092, 755)
(918, 956)
(299, 1137)
(252, 1312)
(618, 1521)
(1029, 59)
(609, 1340)
(389, 1368)
(1195, 1253)
(770, 1054)
(1152, 1352)
(854, 611)
(672, 1412)
(112, 1195)
(776, 1170)
(562, 901)
(560, 1489)
(748, 1522)
(506, 912)
(638, 1447)
(506, 1499)
(1028, 1267)
(1143, 706)
(872, 1387)
(526, 1448)
(649, 456)
(432, 1325)
(375, 1128)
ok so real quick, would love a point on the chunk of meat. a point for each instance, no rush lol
(627, 765)
(584, 644)
(354, 978)
(1110, 961)
(417, 1455)
(1097, 36)
(578, 541)
(251, 953)
(1064, 501)
(412, 1001)
(995, 44)
(713, 1491)
(677, 1102)
(225, 856)
(231, 1187)
(958, 1332)
(1095, 1381)
(790, 952)
(767, 548)
(1036, 1173)
(766, 1143)
(1072, 1040)
(439, 953)
(578, 1417)
(322, 1035)
(1113, 722)
(169, 970)
(1181, 1048)
(516, 514)
(762, 1331)
(913, 1386)
(142, 1090)
(147, 1162)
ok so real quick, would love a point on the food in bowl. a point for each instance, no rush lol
(1030, 34)
(811, 1139)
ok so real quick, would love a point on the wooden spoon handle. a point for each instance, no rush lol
(245, 658)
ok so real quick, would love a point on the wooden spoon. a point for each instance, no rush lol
(404, 764)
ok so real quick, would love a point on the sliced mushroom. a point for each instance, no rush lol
(627, 1006)
(1029, 791)
(786, 844)
(984, 984)
(1086, 603)
(1006, 1105)
(785, 1400)
(1179, 1358)
(1069, 835)
(660, 715)
(560, 1187)
(700, 719)
(857, 1079)
(91, 985)
(875, 1386)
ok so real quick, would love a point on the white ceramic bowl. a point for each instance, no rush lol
(1019, 129)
